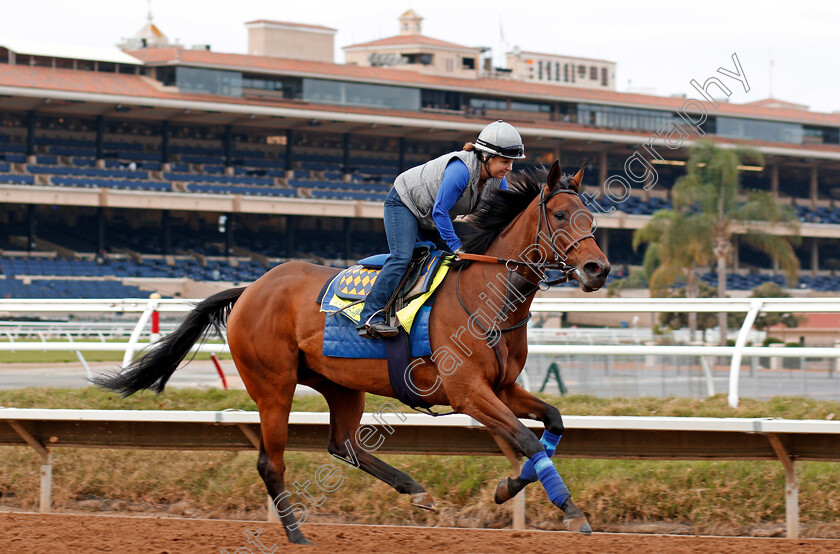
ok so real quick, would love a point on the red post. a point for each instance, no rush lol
(219, 369)
(155, 334)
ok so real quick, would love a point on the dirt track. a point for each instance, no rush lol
(35, 533)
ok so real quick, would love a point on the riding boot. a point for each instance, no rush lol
(376, 329)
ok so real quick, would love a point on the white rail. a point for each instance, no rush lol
(673, 438)
(752, 307)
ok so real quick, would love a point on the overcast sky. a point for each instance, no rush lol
(659, 46)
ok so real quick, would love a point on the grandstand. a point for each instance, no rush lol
(158, 164)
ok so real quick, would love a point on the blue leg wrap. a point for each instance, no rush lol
(553, 484)
(549, 441)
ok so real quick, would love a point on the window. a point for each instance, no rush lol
(556, 71)
(771, 131)
(166, 76)
(468, 63)
(622, 118)
(565, 73)
(488, 103)
(538, 107)
(440, 99)
(289, 86)
(42, 61)
(593, 73)
(540, 70)
(359, 94)
(204, 81)
(582, 71)
(604, 80)
(422, 59)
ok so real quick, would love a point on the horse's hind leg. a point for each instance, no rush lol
(525, 405)
(346, 408)
(274, 421)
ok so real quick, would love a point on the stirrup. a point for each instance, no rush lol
(378, 330)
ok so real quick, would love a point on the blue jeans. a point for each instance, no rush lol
(402, 230)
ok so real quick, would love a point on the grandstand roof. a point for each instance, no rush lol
(72, 52)
(410, 40)
(139, 88)
(323, 70)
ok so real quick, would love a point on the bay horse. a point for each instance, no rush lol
(275, 333)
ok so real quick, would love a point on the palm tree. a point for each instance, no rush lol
(679, 244)
(711, 190)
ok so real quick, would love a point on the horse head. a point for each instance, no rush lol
(568, 227)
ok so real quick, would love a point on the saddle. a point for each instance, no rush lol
(344, 294)
(353, 284)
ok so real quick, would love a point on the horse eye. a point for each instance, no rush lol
(560, 215)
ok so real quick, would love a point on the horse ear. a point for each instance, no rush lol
(554, 175)
(576, 181)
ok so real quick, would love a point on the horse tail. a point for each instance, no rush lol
(152, 370)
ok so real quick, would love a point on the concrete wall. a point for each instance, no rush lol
(285, 42)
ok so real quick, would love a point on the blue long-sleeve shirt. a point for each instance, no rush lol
(455, 179)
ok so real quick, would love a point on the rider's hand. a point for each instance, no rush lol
(458, 252)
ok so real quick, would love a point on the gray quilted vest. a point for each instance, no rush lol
(418, 187)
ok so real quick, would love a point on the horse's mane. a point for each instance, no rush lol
(493, 215)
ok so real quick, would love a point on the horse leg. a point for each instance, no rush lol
(346, 408)
(274, 411)
(524, 404)
(501, 420)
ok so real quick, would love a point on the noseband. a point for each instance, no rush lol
(559, 258)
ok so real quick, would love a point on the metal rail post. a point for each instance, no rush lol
(46, 466)
(135, 335)
(735, 368)
(81, 357)
(791, 487)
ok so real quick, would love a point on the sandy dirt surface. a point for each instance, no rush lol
(60, 533)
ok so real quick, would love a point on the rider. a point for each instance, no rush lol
(427, 198)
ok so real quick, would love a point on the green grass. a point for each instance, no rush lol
(7, 356)
(195, 399)
(709, 497)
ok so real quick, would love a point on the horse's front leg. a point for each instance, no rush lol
(485, 406)
(523, 404)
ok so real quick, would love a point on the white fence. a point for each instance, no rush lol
(605, 437)
(751, 306)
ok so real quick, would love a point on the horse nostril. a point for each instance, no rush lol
(594, 269)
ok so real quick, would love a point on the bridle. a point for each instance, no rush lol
(517, 280)
(558, 263)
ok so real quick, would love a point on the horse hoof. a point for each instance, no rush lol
(300, 539)
(424, 500)
(578, 525)
(502, 494)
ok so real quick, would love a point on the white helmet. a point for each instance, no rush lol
(501, 139)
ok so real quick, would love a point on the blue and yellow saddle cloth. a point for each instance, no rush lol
(341, 340)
